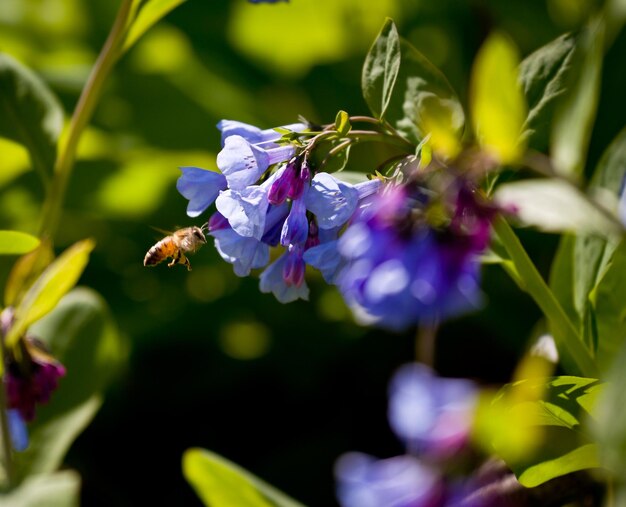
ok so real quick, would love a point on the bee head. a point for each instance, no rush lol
(199, 234)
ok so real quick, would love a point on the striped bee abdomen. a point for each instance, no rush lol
(159, 252)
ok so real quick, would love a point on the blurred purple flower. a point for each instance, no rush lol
(402, 481)
(431, 414)
(200, 187)
(400, 269)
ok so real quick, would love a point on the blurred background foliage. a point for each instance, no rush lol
(281, 390)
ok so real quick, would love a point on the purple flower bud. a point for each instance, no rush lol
(296, 228)
(282, 185)
(293, 270)
(301, 179)
(217, 222)
(313, 238)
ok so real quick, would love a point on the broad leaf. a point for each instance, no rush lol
(498, 105)
(610, 429)
(421, 98)
(56, 280)
(221, 483)
(380, 69)
(571, 129)
(82, 335)
(559, 407)
(60, 489)
(150, 12)
(25, 271)
(556, 206)
(16, 243)
(29, 113)
(543, 75)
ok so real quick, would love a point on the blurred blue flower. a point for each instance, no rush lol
(17, 430)
(200, 187)
(400, 269)
(431, 414)
(402, 481)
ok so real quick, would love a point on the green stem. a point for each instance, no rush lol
(566, 337)
(81, 117)
(7, 453)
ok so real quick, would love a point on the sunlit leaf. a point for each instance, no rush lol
(150, 12)
(29, 113)
(381, 68)
(17, 243)
(25, 271)
(497, 102)
(82, 335)
(221, 483)
(60, 489)
(555, 206)
(342, 123)
(543, 75)
(56, 280)
(571, 128)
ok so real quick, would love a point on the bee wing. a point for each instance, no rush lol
(164, 232)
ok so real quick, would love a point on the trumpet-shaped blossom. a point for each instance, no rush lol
(285, 277)
(200, 187)
(400, 270)
(252, 133)
(431, 414)
(402, 481)
(243, 163)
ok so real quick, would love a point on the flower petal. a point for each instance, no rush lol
(272, 280)
(332, 201)
(245, 210)
(241, 163)
(243, 253)
(200, 187)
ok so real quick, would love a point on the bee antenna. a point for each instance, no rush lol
(205, 227)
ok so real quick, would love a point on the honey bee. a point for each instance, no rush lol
(176, 245)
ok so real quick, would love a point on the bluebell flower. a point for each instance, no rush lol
(254, 134)
(402, 481)
(246, 208)
(400, 268)
(200, 187)
(289, 265)
(243, 163)
(431, 414)
(17, 430)
(296, 228)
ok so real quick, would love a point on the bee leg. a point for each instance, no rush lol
(176, 259)
(186, 262)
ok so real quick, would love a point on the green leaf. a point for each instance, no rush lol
(60, 489)
(610, 427)
(543, 76)
(56, 280)
(150, 12)
(560, 407)
(342, 124)
(381, 68)
(25, 271)
(220, 483)
(497, 102)
(29, 113)
(17, 243)
(571, 129)
(556, 206)
(81, 334)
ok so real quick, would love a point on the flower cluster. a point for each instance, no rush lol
(433, 417)
(267, 195)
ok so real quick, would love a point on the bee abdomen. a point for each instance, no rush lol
(155, 255)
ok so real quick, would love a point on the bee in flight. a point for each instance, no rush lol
(176, 245)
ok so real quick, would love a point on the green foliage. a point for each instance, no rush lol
(571, 129)
(410, 94)
(149, 12)
(543, 76)
(29, 113)
(221, 483)
(342, 124)
(17, 243)
(25, 271)
(60, 489)
(55, 281)
(540, 202)
(497, 103)
(80, 332)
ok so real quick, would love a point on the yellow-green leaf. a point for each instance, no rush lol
(16, 243)
(25, 271)
(220, 483)
(56, 280)
(150, 12)
(497, 102)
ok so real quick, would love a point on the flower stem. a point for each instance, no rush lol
(575, 354)
(81, 117)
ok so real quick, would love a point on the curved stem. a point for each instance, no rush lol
(81, 117)
(574, 352)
